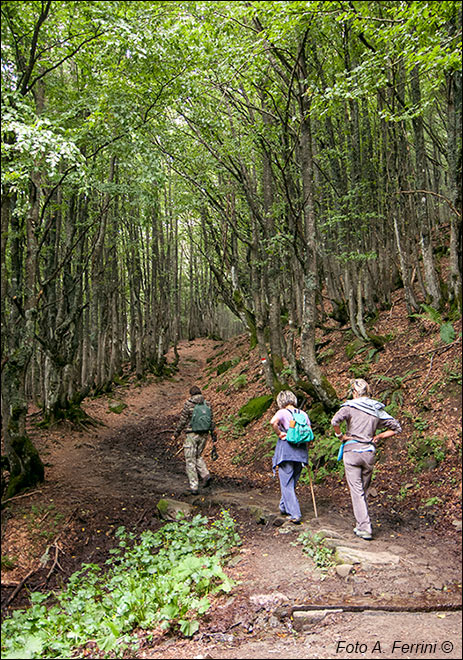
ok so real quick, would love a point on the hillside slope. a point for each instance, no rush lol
(417, 374)
(115, 474)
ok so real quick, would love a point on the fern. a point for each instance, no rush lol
(446, 331)
(431, 314)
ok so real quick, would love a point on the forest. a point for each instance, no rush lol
(176, 170)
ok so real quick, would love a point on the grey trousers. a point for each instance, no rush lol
(195, 466)
(359, 468)
(289, 473)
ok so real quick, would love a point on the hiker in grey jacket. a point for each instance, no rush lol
(195, 442)
(363, 417)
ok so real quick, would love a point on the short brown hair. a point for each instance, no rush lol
(195, 390)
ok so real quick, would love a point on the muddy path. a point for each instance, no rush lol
(115, 474)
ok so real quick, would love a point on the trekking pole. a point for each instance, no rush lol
(312, 491)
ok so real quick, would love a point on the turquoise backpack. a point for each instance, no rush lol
(299, 430)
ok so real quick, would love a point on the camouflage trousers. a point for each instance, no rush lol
(195, 466)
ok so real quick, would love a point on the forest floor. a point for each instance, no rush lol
(115, 473)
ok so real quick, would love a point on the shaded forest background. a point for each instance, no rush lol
(174, 170)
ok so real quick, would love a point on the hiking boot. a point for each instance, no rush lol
(367, 536)
(207, 482)
(295, 521)
(190, 491)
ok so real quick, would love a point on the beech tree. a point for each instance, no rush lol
(292, 163)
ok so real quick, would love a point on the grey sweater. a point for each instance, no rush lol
(364, 416)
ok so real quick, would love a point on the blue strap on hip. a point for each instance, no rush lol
(341, 448)
(358, 451)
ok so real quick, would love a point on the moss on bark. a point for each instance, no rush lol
(254, 409)
(26, 467)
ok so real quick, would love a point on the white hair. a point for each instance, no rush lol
(286, 397)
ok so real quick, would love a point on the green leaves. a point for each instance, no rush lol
(446, 329)
(447, 333)
(162, 577)
(35, 145)
(313, 545)
(189, 627)
(32, 648)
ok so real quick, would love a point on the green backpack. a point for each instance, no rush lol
(299, 429)
(201, 419)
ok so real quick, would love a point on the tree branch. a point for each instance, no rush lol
(28, 72)
(431, 192)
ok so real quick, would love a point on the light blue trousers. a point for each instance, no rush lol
(289, 473)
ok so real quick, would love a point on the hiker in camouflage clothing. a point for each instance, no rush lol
(195, 442)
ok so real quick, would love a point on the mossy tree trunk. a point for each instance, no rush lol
(18, 321)
(25, 466)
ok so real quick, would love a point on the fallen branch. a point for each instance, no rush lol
(17, 497)
(70, 517)
(55, 541)
(428, 372)
(24, 580)
(54, 563)
(43, 518)
(427, 388)
(18, 588)
(141, 517)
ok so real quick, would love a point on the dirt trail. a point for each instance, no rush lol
(114, 475)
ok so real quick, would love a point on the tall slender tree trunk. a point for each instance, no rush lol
(260, 312)
(272, 266)
(430, 275)
(324, 391)
(454, 119)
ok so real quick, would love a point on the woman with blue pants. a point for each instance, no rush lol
(289, 458)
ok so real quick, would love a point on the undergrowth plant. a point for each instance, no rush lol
(239, 382)
(8, 563)
(423, 448)
(163, 579)
(314, 546)
(446, 331)
(394, 392)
